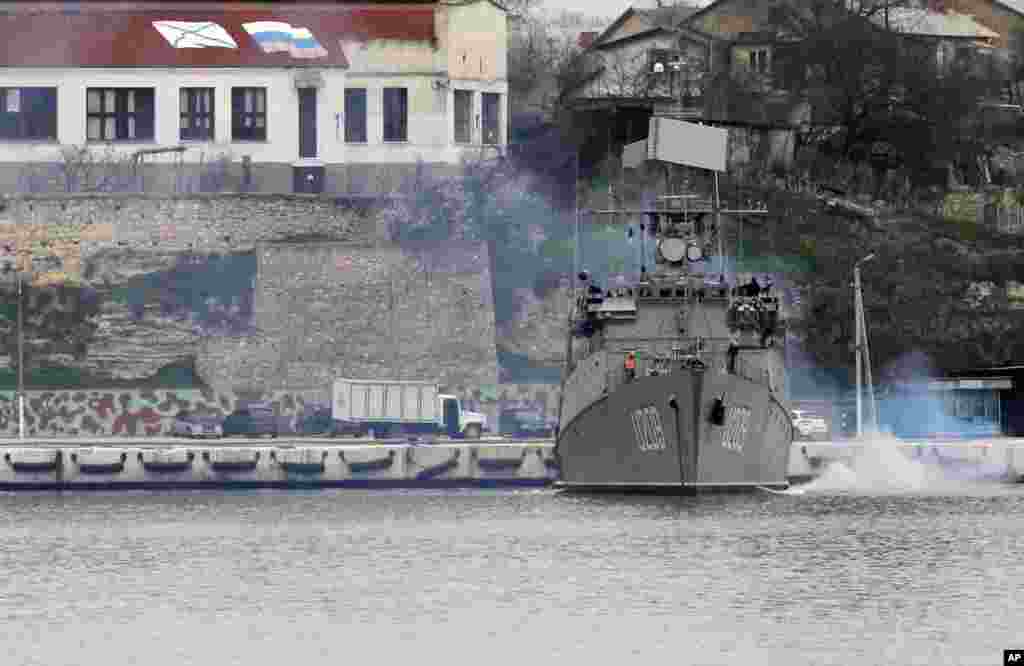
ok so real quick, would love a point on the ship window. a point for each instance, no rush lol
(666, 293)
(680, 293)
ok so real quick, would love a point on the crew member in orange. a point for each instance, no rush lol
(630, 366)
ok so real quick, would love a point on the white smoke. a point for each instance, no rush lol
(883, 464)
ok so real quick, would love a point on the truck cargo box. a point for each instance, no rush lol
(393, 401)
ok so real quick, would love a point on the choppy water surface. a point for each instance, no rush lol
(501, 577)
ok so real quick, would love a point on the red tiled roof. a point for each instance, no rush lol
(92, 38)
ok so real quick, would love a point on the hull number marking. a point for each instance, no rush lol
(737, 420)
(650, 436)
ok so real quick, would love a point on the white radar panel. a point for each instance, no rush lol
(672, 249)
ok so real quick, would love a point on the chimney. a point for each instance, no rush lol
(586, 39)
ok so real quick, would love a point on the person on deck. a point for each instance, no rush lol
(630, 366)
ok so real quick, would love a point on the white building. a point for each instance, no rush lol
(318, 97)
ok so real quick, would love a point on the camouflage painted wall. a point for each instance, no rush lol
(142, 413)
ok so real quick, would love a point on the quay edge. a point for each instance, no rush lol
(142, 464)
(119, 463)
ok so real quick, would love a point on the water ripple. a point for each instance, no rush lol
(257, 577)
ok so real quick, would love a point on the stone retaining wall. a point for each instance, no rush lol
(323, 295)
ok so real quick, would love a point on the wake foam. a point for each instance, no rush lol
(882, 466)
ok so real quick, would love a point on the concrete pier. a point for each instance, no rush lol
(115, 463)
(164, 462)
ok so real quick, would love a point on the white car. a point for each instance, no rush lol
(195, 424)
(809, 426)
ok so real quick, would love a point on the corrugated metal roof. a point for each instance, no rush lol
(1015, 5)
(129, 39)
(934, 24)
(666, 17)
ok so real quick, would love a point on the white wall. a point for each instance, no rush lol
(282, 144)
(430, 123)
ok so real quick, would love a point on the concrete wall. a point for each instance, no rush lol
(326, 310)
(318, 308)
(475, 40)
(431, 119)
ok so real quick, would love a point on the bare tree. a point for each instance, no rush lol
(540, 54)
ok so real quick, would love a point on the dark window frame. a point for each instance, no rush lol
(191, 112)
(467, 135)
(396, 129)
(134, 108)
(484, 129)
(253, 131)
(29, 123)
(355, 130)
(665, 57)
(760, 60)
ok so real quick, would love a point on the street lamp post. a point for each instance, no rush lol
(861, 347)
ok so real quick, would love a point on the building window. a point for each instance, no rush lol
(492, 119)
(396, 114)
(119, 114)
(248, 114)
(355, 115)
(463, 116)
(28, 113)
(663, 61)
(196, 113)
(759, 61)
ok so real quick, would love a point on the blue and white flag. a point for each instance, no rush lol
(281, 37)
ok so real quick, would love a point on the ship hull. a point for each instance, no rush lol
(656, 435)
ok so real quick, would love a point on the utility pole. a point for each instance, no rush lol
(860, 347)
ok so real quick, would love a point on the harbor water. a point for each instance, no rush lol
(845, 570)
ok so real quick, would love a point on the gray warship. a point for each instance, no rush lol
(675, 380)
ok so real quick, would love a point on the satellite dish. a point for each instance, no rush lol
(672, 249)
(694, 253)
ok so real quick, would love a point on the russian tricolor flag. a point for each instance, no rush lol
(277, 36)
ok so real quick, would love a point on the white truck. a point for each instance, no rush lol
(383, 408)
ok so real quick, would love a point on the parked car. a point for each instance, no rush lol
(524, 422)
(197, 424)
(252, 421)
(317, 420)
(809, 427)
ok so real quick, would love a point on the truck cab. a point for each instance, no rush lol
(459, 422)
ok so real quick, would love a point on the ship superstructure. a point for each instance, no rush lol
(675, 378)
